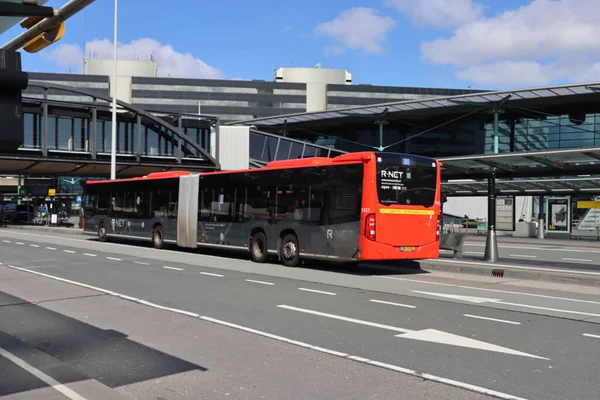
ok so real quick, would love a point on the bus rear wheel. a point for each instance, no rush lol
(290, 250)
(258, 247)
(158, 237)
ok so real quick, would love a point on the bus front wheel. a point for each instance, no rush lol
(158, 237)
(258, 247)
(102, 232)
(290, 250)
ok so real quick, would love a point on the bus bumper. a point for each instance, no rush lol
(380, 251)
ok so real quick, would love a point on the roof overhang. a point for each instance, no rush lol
(526, 187)
(550, 163)
(547, 96)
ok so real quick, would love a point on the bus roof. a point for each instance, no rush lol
(348, 158)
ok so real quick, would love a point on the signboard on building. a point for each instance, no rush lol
(558, 215)
(505, 213)
(591, 218)
(51, 192)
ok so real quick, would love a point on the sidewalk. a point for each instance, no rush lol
(44, 230)
(587, 243)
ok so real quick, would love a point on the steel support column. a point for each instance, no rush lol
(45, 124)
(179, 149)
(138, 137)
(94, 131)
(381, 148)
(491, 243)
(541, 226)
(496, 123)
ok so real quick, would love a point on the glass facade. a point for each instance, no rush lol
(454, 135)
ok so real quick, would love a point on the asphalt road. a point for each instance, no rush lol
(533, 343)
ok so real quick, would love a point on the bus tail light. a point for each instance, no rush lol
(370, 227)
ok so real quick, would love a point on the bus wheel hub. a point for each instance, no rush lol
(289, 250)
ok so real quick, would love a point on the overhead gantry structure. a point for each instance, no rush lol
(44, 25)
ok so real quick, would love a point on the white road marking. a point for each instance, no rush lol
(577, 259)
(426, 335)
(89, 254)
(113, 258)
(550, 309)
(492, 319)
(56, 385)
(69, 251)
(530, 294)
(471, 299)
(441, 337)
(480, 300)
(571, 271)
(211, 274)
(592, 336)
(141, 263)
(173, 268)
(51, 248)
(434, 378)
(6, 241)
(411, 280)
(34, 245)
(259, 282)
(521, 256)
(20, 243)
(393, 304)
(317, 291)
(341, 318)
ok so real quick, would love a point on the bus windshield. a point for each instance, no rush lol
(406, 185)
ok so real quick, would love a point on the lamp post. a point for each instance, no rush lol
(113, 140)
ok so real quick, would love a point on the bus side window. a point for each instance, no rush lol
(160, 203)
(129, 204)
(90, 205)
(116, 205)
(316, 203)
(258, 202)
(204, 204)
(142, 204)
(103, 203)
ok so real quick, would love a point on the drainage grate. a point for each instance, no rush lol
(498, 273)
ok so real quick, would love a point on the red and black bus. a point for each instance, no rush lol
(354, 207)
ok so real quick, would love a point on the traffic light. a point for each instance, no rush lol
(43, 39)
(12, 82)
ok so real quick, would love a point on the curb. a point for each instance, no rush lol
(44, 230)
(503, 271)
(580, 243)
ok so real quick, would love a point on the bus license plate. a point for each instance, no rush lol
(407, 248)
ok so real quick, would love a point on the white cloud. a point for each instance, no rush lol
(542, 42)
(438, 13)
(169, 62)
(358, 28)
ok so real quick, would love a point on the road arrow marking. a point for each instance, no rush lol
(480, 300)
(426, 335)
(435, 336)
(471, 299)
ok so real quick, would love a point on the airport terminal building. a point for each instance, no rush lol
(321, 107)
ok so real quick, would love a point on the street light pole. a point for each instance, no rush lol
(113, 150)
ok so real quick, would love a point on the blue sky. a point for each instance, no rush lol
(428, 43)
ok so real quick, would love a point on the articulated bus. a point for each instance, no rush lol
(354, 207)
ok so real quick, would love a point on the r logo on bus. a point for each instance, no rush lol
(329, 234)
